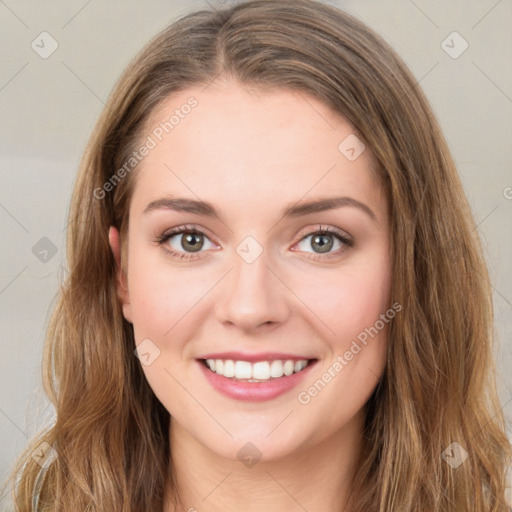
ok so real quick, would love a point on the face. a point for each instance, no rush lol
(255, 276)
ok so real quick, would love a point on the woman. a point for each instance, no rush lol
(276, 296)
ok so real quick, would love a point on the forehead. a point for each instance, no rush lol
(252, 147)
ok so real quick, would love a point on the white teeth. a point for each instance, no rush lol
(243, 370)
(276, 369)
(299, 365)
(229, 368)
(261, 370)
(255, 372)
(288, 368)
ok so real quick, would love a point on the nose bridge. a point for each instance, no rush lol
(252, 295)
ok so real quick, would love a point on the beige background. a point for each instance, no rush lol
(48, 107)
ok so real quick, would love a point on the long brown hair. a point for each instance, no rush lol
(438, 388)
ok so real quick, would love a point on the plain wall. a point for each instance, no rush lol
(48, 108)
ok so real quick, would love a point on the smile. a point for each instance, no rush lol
(261, 371)
(255, 381)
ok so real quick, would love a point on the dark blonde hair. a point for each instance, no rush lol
(438, 387)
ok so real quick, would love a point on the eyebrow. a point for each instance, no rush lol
(206, 209)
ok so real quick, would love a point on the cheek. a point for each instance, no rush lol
(160, 296)
(160, 308)
(349, 301)
(349, 306)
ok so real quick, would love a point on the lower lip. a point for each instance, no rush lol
(254, 391)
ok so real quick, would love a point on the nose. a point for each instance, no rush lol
(252, 295)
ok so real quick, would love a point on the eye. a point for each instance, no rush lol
(324, 241)
(184, 241)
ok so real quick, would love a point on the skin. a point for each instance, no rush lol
(251, 153)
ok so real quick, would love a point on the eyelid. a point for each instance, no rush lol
(185, 228)
(331, 230)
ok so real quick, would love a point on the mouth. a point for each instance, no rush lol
(255, 377)
(256, 372)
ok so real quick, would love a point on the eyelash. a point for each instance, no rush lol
(347, 242)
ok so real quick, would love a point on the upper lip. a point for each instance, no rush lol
(254, 358)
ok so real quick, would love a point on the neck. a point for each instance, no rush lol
(316, 477)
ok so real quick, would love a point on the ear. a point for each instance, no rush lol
(122, 281)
